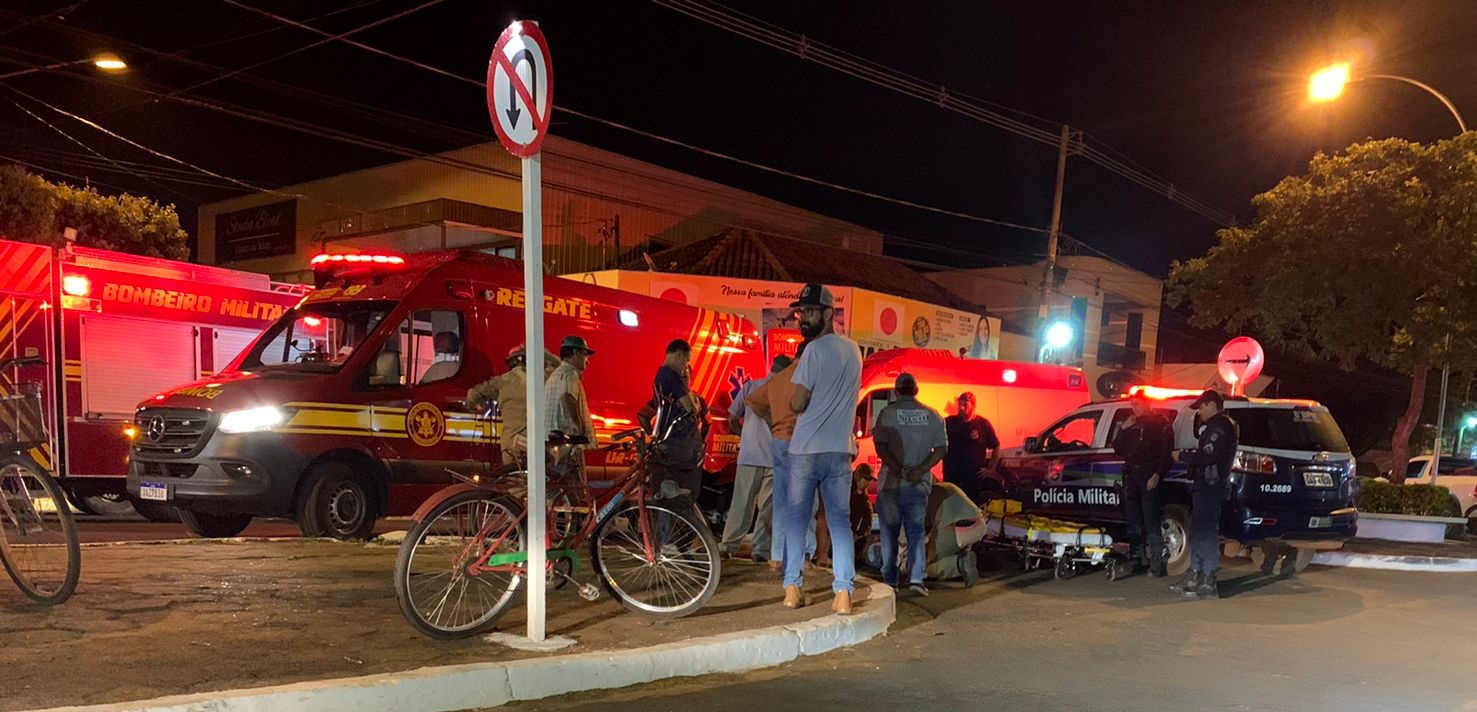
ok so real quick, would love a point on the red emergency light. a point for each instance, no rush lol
(327, 267)
(76, 285)
(319, 261)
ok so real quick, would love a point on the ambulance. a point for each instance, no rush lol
(114, 329)
(1019, 399)
(350, 407)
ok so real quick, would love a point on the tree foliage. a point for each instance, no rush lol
(35, 210)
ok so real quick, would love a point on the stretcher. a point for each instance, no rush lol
(1067, 547)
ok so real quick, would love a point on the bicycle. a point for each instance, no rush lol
(466, 554)
(38, 538)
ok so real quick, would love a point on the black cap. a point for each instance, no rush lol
(814, 295)
(1210, 396)
(576, 342)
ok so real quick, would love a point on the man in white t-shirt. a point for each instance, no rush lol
(827, 380)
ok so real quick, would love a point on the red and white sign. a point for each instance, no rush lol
(520, 88)
(1240, 362)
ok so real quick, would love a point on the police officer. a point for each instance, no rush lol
(1146, 444)
(1210, 470)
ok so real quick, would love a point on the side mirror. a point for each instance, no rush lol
(1033, 444)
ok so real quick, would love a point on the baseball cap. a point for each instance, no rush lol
(906, 382)
(1210, 396)
(815, 295)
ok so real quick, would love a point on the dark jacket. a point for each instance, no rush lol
(1146, 448)
(1210, 462)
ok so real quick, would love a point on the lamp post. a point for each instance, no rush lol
(1328, 84)
(106, 61)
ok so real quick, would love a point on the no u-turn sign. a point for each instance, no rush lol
(520, 88)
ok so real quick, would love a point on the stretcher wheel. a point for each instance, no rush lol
(1117, 569)
(1065, 569)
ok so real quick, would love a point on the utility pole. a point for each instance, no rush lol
(1048, 274)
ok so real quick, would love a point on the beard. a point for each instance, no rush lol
(811, 330)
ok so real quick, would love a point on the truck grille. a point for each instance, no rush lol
(171, 470)
(170, 432)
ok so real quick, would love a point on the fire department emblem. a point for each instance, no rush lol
(425, 425)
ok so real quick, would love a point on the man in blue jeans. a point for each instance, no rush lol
(827, 382)
(910, 439)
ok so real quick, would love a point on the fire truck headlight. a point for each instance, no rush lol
(252, 419)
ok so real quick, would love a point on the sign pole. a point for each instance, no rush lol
(533, 324)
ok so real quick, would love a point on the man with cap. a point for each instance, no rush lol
(754, 480)
(1210, 470)
(509, 389)
(1146, 443)
(564, 394)
(910, 440)
(971, 440)
(827, 382)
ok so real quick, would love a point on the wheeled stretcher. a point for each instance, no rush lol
(1068, 547)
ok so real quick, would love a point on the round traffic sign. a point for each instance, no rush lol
(1240, 362)
(520, 88)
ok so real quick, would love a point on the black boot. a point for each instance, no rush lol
(1205, 588)
(1156, 566)
(1187, 584)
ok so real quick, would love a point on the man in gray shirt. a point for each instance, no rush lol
(827, 382)
(910, 440)
(753, 482)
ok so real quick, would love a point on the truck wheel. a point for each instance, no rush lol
(1177, 538)
(214, 526)
(112, 504)
(155, 511)
(338, 502)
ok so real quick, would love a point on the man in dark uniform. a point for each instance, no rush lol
(1210, 471)
(971, 439)
(1146, 444)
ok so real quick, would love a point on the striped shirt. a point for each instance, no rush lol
(566, 381)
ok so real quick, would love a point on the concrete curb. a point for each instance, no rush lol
(460, 687)
(1433, 564)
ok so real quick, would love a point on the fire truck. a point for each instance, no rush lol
(114, 330)
(351, 406)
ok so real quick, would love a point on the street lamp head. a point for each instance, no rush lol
(1328, 83)
(1472, 421)
(109, 62)
(1059, 335)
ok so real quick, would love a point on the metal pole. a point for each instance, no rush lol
(1440, 423)
(1048, 273)
(533, 326)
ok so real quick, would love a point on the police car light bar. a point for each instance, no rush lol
(1158, 393)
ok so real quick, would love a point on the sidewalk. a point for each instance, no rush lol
(1445, 557)
(152, 620)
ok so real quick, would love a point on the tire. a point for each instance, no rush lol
(41, 551)
(1177, 538)
(214, 526)
(112, 504)
(1472, 521)
(693, 580)
(436, 547)
(155, 511)
(337, 501)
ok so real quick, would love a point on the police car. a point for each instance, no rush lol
(1293, 483)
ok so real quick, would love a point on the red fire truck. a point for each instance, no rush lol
(126, 327)
(350, 406)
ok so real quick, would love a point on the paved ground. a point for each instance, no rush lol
(1330, 639)
(95, 529)
(156, 619)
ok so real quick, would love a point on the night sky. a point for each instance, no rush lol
(1208, 97)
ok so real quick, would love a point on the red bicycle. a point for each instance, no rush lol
(466, 554)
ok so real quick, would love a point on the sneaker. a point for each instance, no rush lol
(918, 588)
(969, 567)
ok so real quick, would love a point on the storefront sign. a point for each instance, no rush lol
(264, 231)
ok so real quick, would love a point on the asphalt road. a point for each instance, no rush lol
(1329, 639)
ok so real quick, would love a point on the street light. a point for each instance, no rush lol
(106, 61)
(1471, 422)
(1058, 336)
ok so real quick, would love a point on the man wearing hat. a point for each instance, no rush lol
(827, 382)
(971, 440)
(1146, 443)
(910, 440)
(754, 481)
(1210, 470)
(509, 389)
(568, 409)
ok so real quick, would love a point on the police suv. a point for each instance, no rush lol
(1293, 489)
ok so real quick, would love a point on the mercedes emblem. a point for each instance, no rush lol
(156, 428)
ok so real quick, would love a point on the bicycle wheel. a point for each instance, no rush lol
(680, 575)
(437, 592)
(38, 539)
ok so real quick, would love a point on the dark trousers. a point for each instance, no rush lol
(1205, 528)
(1145, 514)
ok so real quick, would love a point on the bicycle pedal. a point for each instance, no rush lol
(589, 592)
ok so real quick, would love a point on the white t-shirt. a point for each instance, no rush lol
(831, 368)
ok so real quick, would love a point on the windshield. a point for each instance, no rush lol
(1289, 429)
(318, 338)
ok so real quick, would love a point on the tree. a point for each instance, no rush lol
(1368, 257)
(35, 210)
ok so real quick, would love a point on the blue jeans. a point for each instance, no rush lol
(828, 473)
(903, 508)
(780, 502)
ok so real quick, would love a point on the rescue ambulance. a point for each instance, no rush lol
(114, 329)
(1293, 484)
(350, 407)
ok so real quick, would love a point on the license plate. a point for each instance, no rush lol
(1320, 522)
(153, 492)
(1317, 479)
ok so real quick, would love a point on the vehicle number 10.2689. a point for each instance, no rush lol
(1276, 489)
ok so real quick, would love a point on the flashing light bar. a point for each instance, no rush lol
(1159, 393)
(326, 258)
